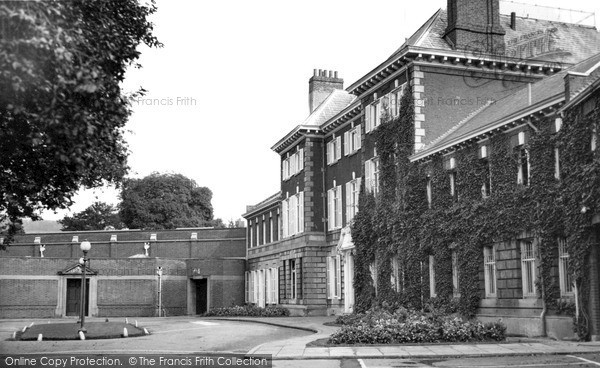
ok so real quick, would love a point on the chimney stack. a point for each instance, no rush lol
(474, 25)
(320, 86)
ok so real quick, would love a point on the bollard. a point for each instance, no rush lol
(14, 336)
(146, 332)
(126, 320)
(136, 323)
(125, 333)
(24, 329)
(81, 335)
(30, 325)
(40, 337)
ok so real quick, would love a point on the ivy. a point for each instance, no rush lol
(399, 223)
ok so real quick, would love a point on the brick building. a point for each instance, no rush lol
(202, 268)
(472, 71)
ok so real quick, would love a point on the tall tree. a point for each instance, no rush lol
(62, 111)
(165, 201)
(98, 216)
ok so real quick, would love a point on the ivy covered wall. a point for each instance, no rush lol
(401, 223)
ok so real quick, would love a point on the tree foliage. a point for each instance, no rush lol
(62, 110)
(98, 216)
(165, 201)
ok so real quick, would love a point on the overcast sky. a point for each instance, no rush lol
(232, 79)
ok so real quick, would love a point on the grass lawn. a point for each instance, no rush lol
(70, 331)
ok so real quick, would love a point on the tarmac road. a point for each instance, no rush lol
(168, 335)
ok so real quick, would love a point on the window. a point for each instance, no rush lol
(486, 187)
(432, 292)
(594, 141)
(334, 277)
(293, 164)
(564, 274)
(452, 178)
(387, 106)
(528, 268)
(268, 286)
(294, 286)
(251, 234)
(372, 175)
(429, 193)
(271, 288)
(373, 271)
(334, 207)
(489, 265)
(352, 192)
(247, 287)
(372, 116)
(397, 275)
(255, 287)
(270, 227)
(524, 169)
(293, 214)
(352, 141)
(455, 275)
(556, 164)
(334, 150)
(264, 230)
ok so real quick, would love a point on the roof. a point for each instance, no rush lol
(250, 210)
(337, 101)
(546, 91)
(531, 39)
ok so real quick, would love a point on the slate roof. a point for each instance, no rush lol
(510, 106)
(533, 39)
(333, 104)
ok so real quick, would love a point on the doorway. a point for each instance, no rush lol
(201, 295)
(74, 297)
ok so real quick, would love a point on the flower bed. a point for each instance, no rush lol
(402, 326)
(248, 311)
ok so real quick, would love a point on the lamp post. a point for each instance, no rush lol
(85, 247)
(159, 272)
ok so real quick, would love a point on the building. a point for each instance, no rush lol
(468, 73)
(201, 268)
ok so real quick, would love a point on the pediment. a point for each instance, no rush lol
(76, 270)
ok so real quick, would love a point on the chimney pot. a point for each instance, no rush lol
(314, 72)
(335, 74)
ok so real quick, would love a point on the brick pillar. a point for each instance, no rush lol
(418, 89)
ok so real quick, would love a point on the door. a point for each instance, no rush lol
(74, 297)
(201, 296)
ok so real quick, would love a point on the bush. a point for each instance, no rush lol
(402, 326)
(248, 311)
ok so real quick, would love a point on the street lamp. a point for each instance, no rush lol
(159, 272)
(85, 247)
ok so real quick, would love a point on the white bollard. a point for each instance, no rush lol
(31, 325)
(126, 320)
(81, 335)
(40, 337)
(136, 323)
(125, 333)
(14, 336)
(24, 329)
(146, 332)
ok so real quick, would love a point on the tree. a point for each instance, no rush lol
(165, 201)
(62, 111)
(98, 216)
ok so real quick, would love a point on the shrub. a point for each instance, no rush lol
(381, 327)
(248, 311)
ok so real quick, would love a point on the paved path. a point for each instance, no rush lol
(295, 348)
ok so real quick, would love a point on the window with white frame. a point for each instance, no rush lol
(352, 192)
(556, 163)
(455, 275)
(271, 227)
(452, 178)
(268, 285)
(255, 287)
(564, 273)
(429, 192)
(334, 207)
(292, 209)
(486, 187)
(372, 175)
(264, 230)
(523, 166)
(373, 271)
(528, 268)
(293, 279)
(293, 164)
(247, 287)
(489, 265)
(432, 291)
(594, 141)
(387, 106)
(334, 150)
(352, 141)
(397, 277)
(334, 277)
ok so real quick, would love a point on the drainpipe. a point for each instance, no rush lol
(544, 309)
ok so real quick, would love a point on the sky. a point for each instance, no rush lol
(232, 79)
